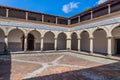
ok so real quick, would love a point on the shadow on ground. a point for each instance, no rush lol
(104, 72)
(5, 65)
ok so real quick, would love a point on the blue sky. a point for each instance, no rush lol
(64, 8)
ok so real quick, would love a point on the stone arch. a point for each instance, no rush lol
(15, 40)
(100, 41)
(74, 41)
(73, 33)
(37, 39)
(61, 41)
(113, 27)
(85, 41)
(115, 32)
(49, 41)
(63, 33)
(2, 40)
(103, 28)
(85, 30)
(13, 28)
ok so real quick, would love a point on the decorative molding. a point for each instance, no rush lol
(99, 23)
(32, 25)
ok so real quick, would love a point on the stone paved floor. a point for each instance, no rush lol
(57, 66)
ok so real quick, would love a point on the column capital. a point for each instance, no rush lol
(55, 38)
(109, 4)
(42, 38)
(25, 36)
(79, 38)
(109, 37)
(68, 38)
(6, 36)
(91, 37)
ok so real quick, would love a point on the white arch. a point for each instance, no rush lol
(47, 32)
(85, 30)
(113, 27)
(35, 31)
(63, 33)
(3, 30)
(103, 28)
(16, 29)
(73, 33)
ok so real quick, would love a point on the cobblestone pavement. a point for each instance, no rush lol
(57, 66)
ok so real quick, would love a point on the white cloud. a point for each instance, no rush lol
(101, 1)
(69, 7)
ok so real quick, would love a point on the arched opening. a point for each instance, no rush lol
(85, 41)
(30, 42)
(116, 41)
(36, 38)
(49, 41)
(100, 41)
(2, 40)
(74, 42)
(61, 41)
(15, 40)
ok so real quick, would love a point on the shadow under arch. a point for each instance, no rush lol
(61, 41)
(74, 41)
(49, 41)
(100, 41)
(85, 41)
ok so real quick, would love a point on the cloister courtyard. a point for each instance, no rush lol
(58, 66)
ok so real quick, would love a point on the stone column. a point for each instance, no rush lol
(56, 20)
(91, 14)
(68, 46)
(26, 16)
(6, 42)
(69, 22)
(109, 49)
(42, 18)
(79, 42)
(78, 18)
(25, 43)
(42, 43)
(91, 45)
(7, 12)
(109, 8)
(55, 46)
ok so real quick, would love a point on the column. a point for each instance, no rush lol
(56, 20)
(109, 8)
(42, 43)
(42, 18)
(91, 45)
(79, 40)
(26, 16)
(78, 18)
(7, 12)
(68, 46)
(69, 22)
(6, 42)
(109, 50)
(25, 43)
(91, 14)
(55, 45)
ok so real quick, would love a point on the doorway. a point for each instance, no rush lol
(30, 42)
(117, 46)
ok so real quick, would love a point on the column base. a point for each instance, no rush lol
(79, 50)
(109, 55)
(68, 49)
(91, 53)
